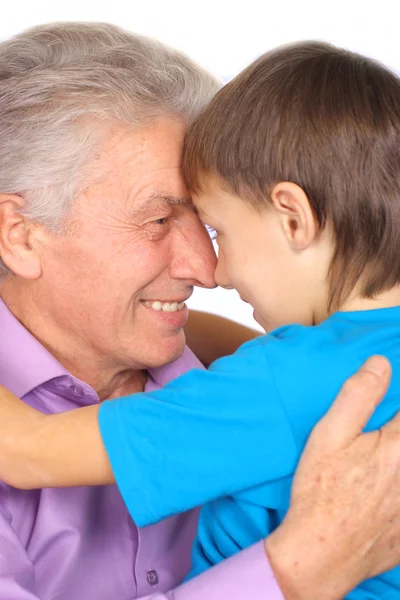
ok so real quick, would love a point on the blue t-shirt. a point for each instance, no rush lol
(230, 438)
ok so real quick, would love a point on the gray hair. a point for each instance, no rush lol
(56, 80)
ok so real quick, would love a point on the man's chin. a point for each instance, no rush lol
(168, 350)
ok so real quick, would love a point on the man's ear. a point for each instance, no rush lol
(298, 220)
(18, 248)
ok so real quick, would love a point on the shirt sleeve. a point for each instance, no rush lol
(17, 576)
(205, 435)
(245, 575)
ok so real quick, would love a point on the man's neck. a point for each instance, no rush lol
(125, 384)
(107, 380)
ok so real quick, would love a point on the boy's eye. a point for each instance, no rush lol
(211, 232)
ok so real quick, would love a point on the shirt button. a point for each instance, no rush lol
(152, 577)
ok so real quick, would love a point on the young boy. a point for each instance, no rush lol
(296, 166)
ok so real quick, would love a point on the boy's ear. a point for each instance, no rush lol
(298, 221)
(18, 247)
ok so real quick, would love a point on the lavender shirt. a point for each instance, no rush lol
(80, 543)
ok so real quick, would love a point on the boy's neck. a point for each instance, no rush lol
(387, 299)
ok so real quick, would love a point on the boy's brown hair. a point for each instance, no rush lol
(328, 120)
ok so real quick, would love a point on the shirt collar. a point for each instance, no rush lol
(25, 364)
(162, 375)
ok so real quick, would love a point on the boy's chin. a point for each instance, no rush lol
(261, 321)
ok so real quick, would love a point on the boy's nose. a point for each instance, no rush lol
(221, 275)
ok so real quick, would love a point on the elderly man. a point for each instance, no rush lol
(100, 248)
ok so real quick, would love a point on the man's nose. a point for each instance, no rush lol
(194, 257)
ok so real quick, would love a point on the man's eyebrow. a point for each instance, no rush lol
(163, 199)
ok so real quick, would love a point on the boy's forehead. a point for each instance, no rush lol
(211, 193)
(201, 207)
(207, 200)
(213, 202)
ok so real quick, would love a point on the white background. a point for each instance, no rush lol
(224, 36)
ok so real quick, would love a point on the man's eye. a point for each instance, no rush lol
(162, 221)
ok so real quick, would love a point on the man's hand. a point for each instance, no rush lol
(343, 525)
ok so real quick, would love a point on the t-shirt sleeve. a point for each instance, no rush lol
(205, 435)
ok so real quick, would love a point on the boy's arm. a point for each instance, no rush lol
(210, 336)
(207, 426)
(206, 434)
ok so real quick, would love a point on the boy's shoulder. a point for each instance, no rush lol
(310, 364)
(335, 337)
(292, 350)
(289, 340)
